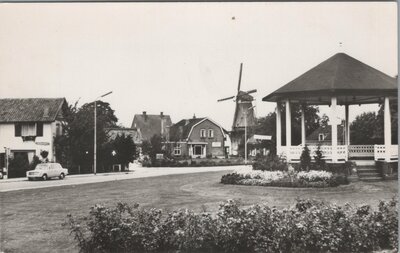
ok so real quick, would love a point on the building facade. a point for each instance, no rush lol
(29, 126)
(149, 125)
(198, 138)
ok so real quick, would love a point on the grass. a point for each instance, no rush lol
(31, 219)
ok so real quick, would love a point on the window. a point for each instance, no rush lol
(39, 129)
(210, 133)
(28, 129)
(17, 128)
(203, 133)
(177, 149)
(321, 137)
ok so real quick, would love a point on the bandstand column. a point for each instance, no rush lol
(288, 129)
(334, 129)
(347, 126)
(388, 129)
(303, 126)
(278, 129)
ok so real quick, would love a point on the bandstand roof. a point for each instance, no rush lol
(352, 81)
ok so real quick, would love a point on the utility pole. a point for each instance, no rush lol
(95, 133)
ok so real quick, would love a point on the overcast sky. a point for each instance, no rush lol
(180, 58)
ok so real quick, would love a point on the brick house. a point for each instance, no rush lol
(149, 125)
(198, 138)
(29, 125)
(323, 135)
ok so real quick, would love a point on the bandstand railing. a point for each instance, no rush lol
(343, 152)
(380, 152)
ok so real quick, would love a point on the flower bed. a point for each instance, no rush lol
(308, 226)
(313, 178)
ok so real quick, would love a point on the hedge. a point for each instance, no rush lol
(308, 226)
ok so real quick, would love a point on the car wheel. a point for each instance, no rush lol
(62, 176)
(44, 177)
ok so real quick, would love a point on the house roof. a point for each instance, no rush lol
(340, 75)
(133, 132)
(181, 130)
(30, 109)
(327, 131)
(150, 124)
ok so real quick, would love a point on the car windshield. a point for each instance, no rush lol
(42, 167)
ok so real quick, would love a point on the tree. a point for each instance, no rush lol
(121, 150)
(267, 125)
(363, 130)
(324, 120)
(75, 147)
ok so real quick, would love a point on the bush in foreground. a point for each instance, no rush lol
(308, 226)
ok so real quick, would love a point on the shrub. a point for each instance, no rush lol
(308, 226)
(232, 178)
(270, 163)
(34, 162)
(305, 159)
(319, 159)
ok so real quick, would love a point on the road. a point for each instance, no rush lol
(23, 183)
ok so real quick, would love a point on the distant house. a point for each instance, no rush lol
(323, 136)
(29, 125)
(199, 138)
(149, 125)
(112, 133)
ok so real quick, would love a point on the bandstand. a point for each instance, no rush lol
(339, 81)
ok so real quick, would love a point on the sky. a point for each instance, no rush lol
(180, 58)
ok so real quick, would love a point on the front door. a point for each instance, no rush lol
(198, 150)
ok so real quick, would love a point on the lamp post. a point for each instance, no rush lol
(245, 133)
(95, 131)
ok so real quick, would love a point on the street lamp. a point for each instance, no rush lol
(245, 133)
(95, 132)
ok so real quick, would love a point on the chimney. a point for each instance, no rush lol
(161, 114)
(186, 122)
(144, 115)
(46, 112)
(194, 116)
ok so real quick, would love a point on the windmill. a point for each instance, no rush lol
(244, 114)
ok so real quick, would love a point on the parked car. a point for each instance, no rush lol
(47, 170)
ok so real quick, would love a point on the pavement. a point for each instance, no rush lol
(15, 184)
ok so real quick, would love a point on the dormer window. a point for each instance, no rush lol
(321, 137)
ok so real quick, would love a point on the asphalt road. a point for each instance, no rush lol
(23, 183)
